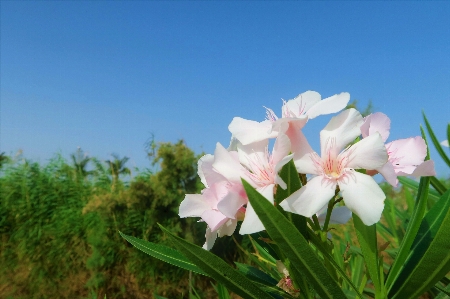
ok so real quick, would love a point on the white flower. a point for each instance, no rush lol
(336, 167)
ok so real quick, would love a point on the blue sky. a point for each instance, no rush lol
(105, 76)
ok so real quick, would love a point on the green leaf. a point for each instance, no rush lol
(435, 141)
(216, 268)
(432, 194)
(164, 253)
(290, 176)
(293, 245)
(367, 237)
(429, 258)
(256, 274)
(440, 188)
(222, 292)
(411, 231)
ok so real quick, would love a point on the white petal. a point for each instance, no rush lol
(252, 152)
(344, 127)
(193, 205)
(226, 164)
(368, 153)
(329, 105)
(363, 196)
(281, 148)
(388, 172)
(210, 239)
(228, 228)
(302, 152)
(301, 103)
(206, 172)
(251, 223)
(309, 199)
(278, 179)
(376, 122)
(249, 131)
(445, 143)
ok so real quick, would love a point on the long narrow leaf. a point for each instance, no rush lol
(432, 194)
(367, 237)
(429, 259)
(438, 185)
(435, 141)
(164, 253)
(294, 246)
(411, 231)
(216, 268)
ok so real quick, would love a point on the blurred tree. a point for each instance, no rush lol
(80, 161)
(117, 167)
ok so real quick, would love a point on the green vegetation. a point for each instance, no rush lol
(60, 222)
(59, 226)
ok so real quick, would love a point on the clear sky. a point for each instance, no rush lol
(106, 75)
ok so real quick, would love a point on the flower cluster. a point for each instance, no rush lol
(352, 150)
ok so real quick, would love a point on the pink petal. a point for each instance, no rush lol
(232, 202)
(278, 179)
(368, 153)
(344, 128)
(193, 205)
(388, 172)
(424, 169)
(214, 219)
(376, 122)
(329, 105)
(309, 199)
(363, 196)
(407, 154)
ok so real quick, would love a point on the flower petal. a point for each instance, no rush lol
(214, 219)
(424, 169)
(300, 104)
(251, 223)
(388, 172)
(228, 228)
(193, 205)
(232, 202)
(281, 148)
(210, 239)
(368, 153)
(344, 127)
(376, 122)
(249, 131)
(363, 196)
(302, 152)
(445, 143)
(309, 199)
(227, 164)
(407, 154)
(329, 105)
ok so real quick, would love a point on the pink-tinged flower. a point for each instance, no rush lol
(262, 170)
(297, 111)
(406, 156)
(219, 190)
(336, 167)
